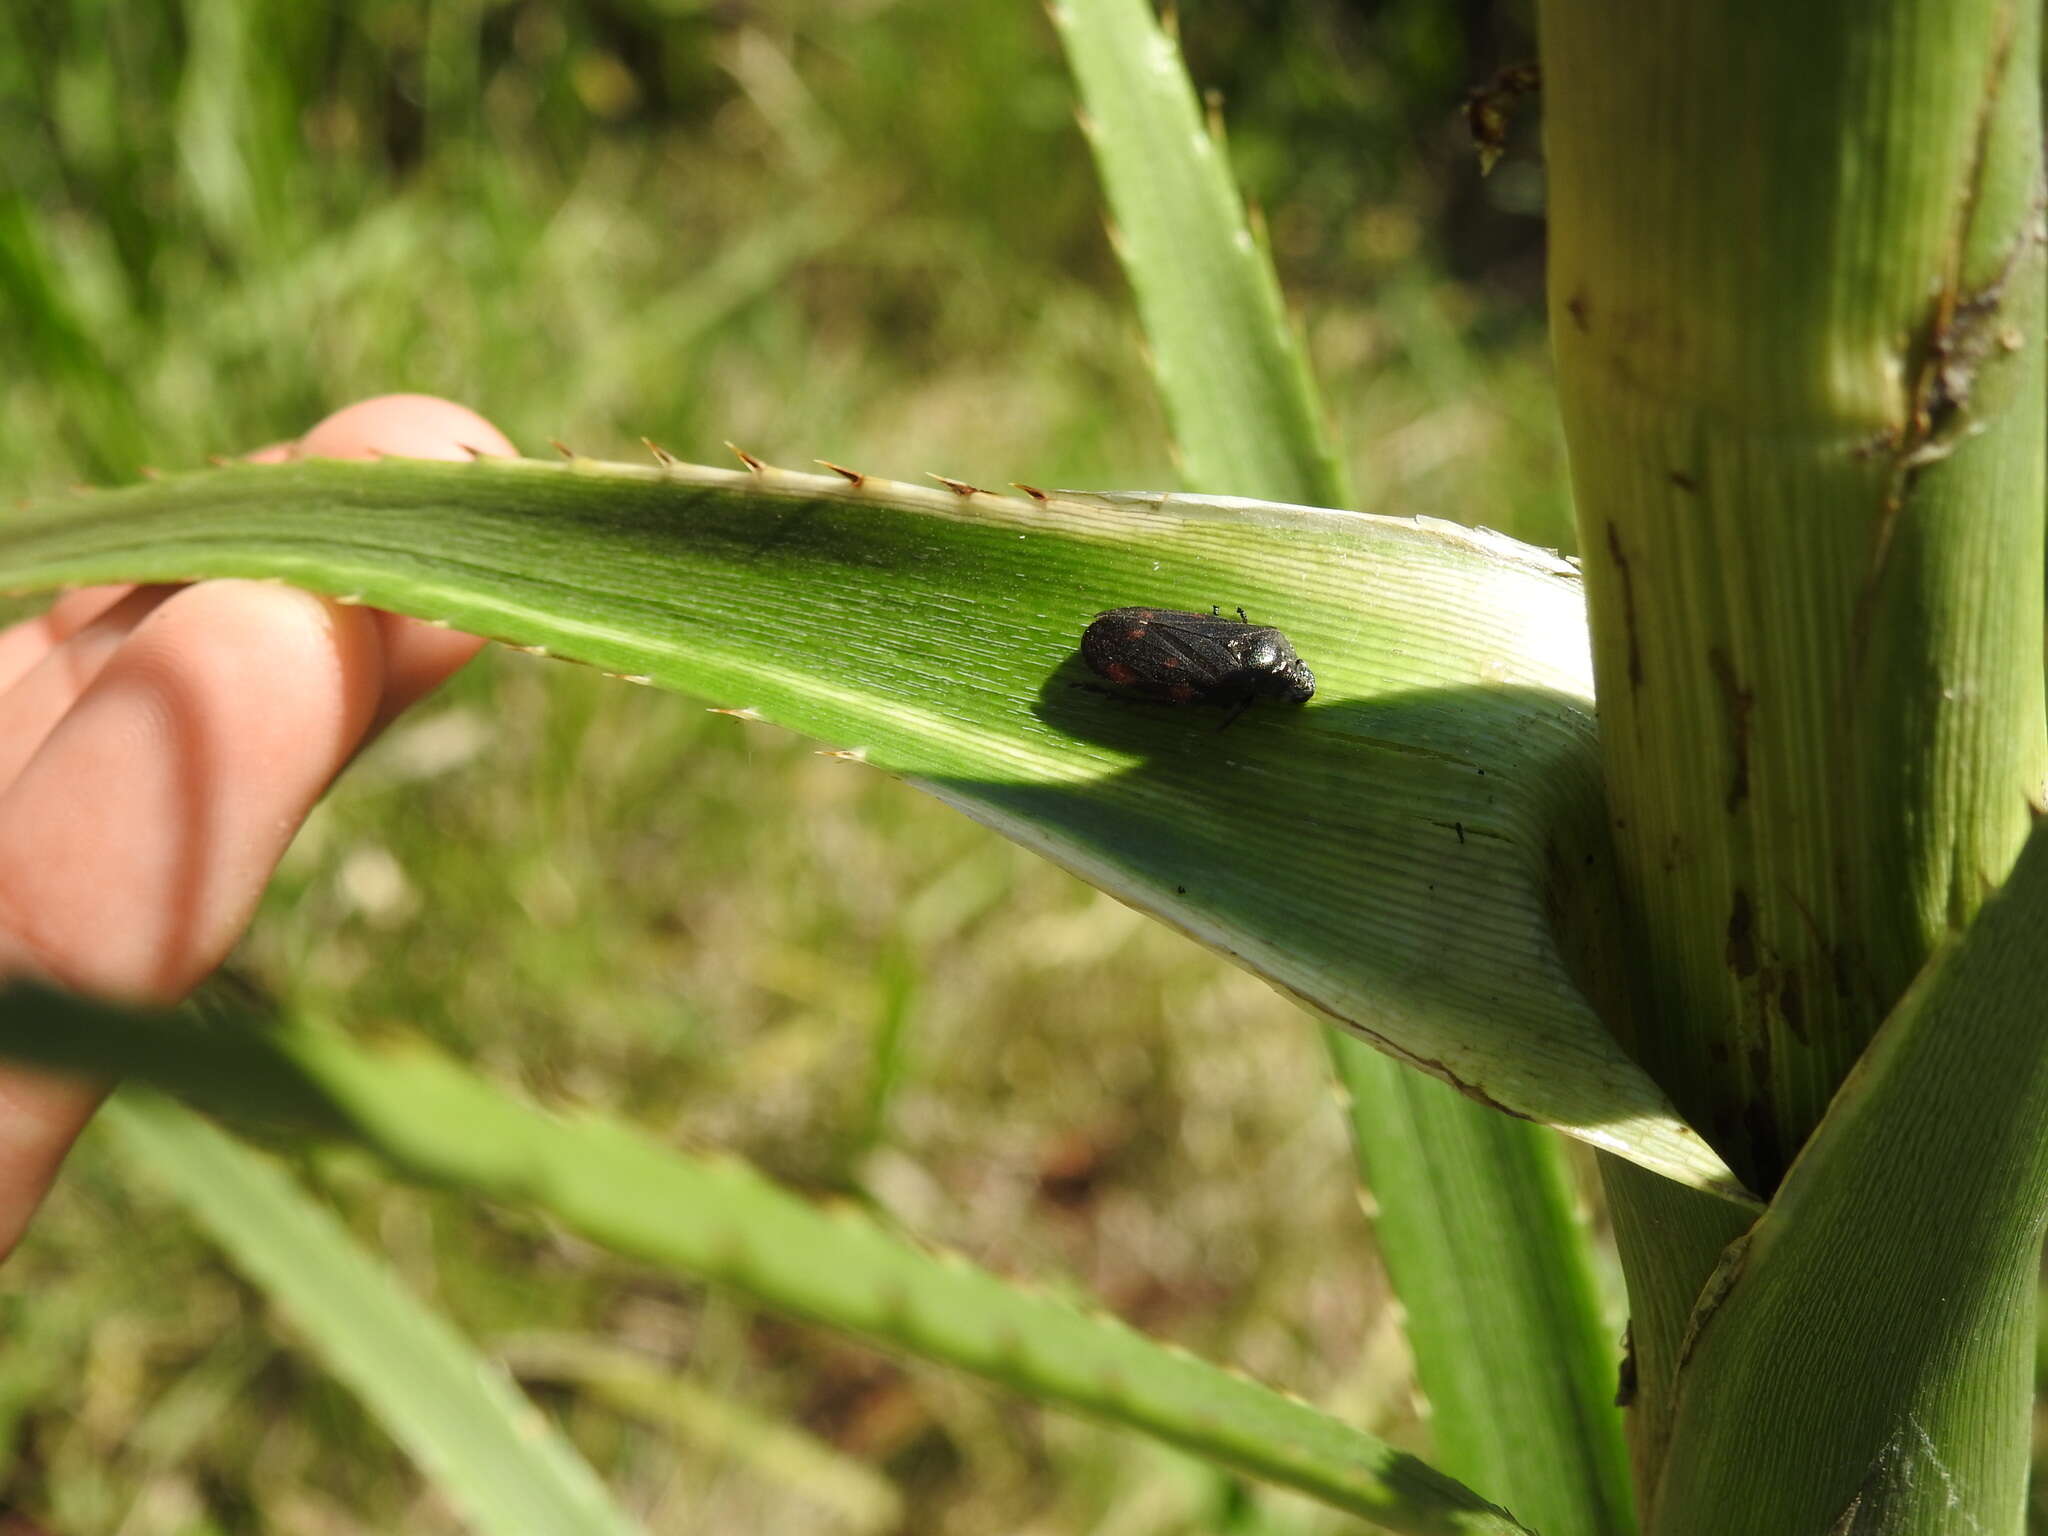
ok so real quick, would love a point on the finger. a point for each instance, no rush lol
(25, 644)
(40, 1117)
(134, 844)
(418, 657)
(404, 426)
(75, 609)
(32, 706)
(136, 840)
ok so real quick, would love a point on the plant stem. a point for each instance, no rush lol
(1670, 1238)
(1795, 293)
(1792, 266)
(1864, 1359)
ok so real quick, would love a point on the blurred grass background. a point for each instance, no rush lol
(864, 230)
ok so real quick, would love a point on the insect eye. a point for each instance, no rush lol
(1263, 656)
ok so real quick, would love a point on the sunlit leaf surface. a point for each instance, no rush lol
(1389, 853)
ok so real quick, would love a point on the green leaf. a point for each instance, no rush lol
(1817, 1377)
(493, 1454)
(1478, 1226)
(1390, 854)
(1236, 388)
(718, 1219)
(858, 1497)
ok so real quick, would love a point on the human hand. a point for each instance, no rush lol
(159, 748)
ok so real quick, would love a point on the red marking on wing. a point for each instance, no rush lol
(1136, 634)
(1117, 672)
(1183, 693)
(1169, 661)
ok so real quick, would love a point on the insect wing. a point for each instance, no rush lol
(1196, 647)
(1163, 652)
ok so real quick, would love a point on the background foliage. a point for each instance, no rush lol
(864, 230)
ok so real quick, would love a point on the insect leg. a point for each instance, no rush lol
(1236, 709)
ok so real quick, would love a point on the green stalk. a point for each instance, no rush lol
(1792, 272)
(1795, 292)
(1669, 1239)
(1475, 1218)
(1864, 1362)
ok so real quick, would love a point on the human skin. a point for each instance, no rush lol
(160, 747)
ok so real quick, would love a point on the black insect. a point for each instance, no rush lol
(1195, 658)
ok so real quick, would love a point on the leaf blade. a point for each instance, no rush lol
(720, 1220)
(490, 1450)
(1408, 824)
(1240, 396)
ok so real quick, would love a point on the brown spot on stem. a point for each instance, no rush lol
(1760, 1119)
(1580, 309)
(1628, 606)
(1741, 951)
(1961, 332)
(1792, 1004)
(1683, 481)
(1737, 701)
